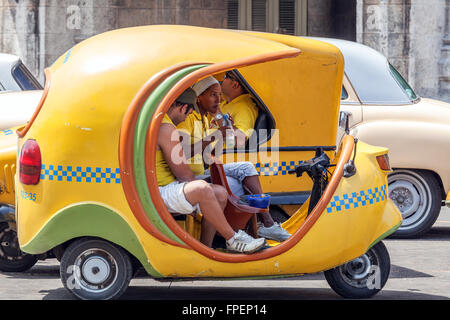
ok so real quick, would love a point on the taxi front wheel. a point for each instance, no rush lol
(362, 277)
(94, 269)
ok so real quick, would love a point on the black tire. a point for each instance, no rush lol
(417, 194)
(12, 259)
(362, 277)
(278, 214)
(94, 269)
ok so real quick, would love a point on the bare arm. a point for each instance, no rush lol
(199, 146)
(241, 138)
(169, 143)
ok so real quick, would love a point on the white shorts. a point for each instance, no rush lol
(175, 200)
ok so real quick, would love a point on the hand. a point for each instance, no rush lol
(223, 131)
(231, 119)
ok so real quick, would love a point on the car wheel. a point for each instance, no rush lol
(94, 269)
(362, 277)
(12, 259)
(417, 195)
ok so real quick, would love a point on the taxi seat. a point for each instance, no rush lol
(264, 124)
(237, 214)
(191, 223)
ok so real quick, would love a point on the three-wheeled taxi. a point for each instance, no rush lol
(86, 182)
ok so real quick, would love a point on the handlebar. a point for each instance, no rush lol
(313, 167)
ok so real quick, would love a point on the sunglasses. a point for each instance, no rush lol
(228, 75)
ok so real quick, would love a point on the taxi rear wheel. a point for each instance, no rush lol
(417, 194)
(362, 277)
(94, 269)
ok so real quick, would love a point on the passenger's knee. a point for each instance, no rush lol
(221, 193)
(204, 189)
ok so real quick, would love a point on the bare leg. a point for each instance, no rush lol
(204, 194)
(252, 184)
(208, 230)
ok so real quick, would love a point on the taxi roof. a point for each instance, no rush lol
(92, 84)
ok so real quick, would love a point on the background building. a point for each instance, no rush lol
(413, 34)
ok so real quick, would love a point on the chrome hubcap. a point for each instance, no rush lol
(358, 268)
(95, 270)
(357, 272)
(405, 197)
(411, 195)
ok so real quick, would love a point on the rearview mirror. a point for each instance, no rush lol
(344, 121)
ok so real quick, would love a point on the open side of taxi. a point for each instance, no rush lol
(87, 158)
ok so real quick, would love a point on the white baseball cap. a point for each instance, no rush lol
(204, 84)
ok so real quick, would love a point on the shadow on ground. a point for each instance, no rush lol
(239, 293)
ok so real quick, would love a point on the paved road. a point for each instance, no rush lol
(420, 270)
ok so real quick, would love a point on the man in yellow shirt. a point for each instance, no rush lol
(240, 106)
(180, 190)
(238, 174)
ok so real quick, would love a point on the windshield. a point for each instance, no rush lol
(402, 82)
(24, 78)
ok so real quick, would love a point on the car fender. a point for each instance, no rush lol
(429, 151)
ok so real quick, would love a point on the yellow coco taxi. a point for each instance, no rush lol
(87, 163)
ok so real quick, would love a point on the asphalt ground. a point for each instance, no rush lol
(420, 270)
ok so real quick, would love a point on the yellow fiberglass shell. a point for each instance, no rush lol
(78, 128)
(305, 111)
(92, 85)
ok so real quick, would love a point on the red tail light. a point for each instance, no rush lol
(30, 163)
(383, 162)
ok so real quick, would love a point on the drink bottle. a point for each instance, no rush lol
(229, 136)
(223, 120)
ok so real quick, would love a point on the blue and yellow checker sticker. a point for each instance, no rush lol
(112, 175)
(80, 174)
(276, 168)
(357, 199)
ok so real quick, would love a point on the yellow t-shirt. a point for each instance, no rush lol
(164, 175)
(243, 111)
(197, 129)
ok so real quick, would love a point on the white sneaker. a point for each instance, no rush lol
(275, 232)
(242, 242)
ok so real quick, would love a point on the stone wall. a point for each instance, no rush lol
(19, 31)
(411, 34)
(332, 19)
(40, 31)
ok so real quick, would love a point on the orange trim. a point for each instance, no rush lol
(126, 141)
(159, 204)
(23, 132)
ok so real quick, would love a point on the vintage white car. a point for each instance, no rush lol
(20, 92)
(15, 76)
(383, 110)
